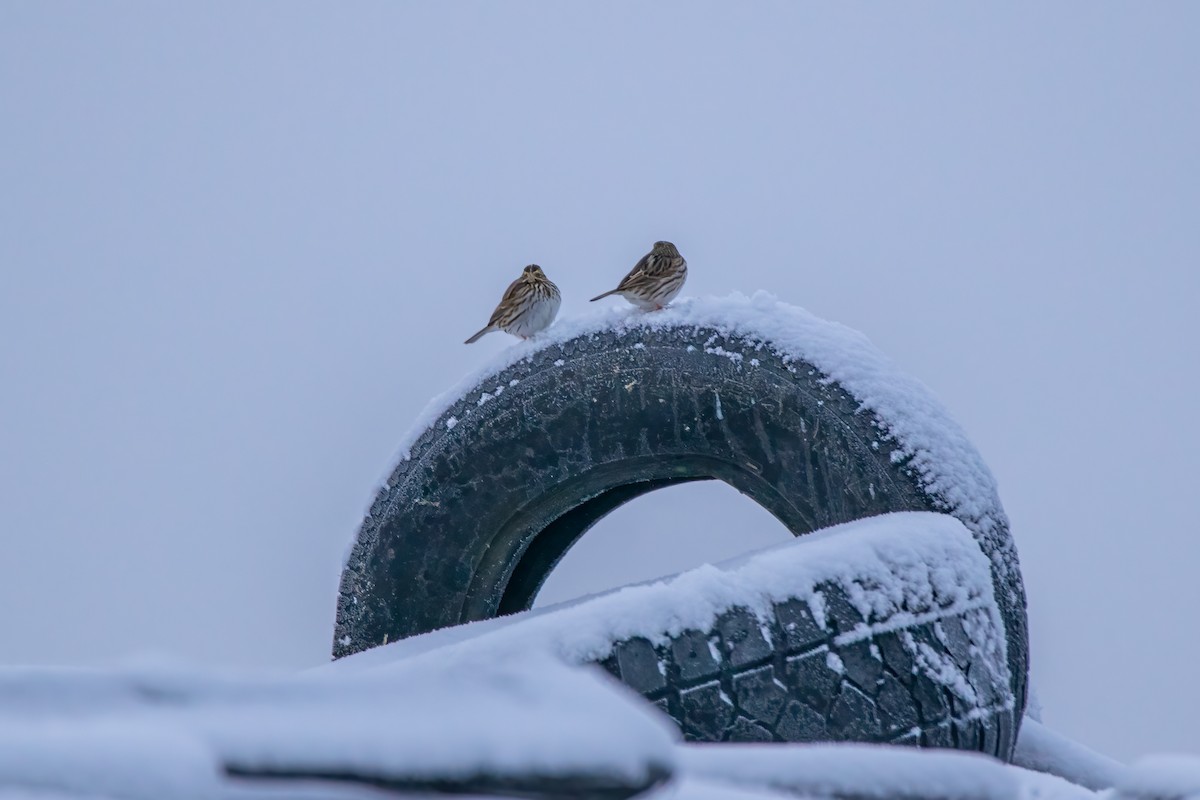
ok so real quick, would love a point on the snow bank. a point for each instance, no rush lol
(1041, 749)
(528, 718)
(144, 734)
(927, 564)
(854, 770)
(1162, 777)
(946, 462)
(117, 758)
(871, 772)
(691, 788)
(1042, 786)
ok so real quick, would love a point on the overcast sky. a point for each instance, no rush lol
(242, 244)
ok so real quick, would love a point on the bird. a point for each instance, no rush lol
(654, 280)
(529, 305)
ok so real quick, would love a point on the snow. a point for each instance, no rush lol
(519, 719)
(112, 757)
(1043, 786)
(936, 447)
(870, 772)
(943, 670)
(157, 734)
(1041, 749)
(1161, 777)
(853, 770)
(493, 702)
(924, 562)
(691, 788)
(152, 734)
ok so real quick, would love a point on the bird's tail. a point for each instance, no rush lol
(477, 336)
(602, 296)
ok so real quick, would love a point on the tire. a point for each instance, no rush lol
(503, 482)
(786, 679)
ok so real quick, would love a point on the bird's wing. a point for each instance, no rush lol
(642, 267)
(511, 292)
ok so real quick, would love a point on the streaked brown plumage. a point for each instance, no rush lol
(655, 280)
(530, 304)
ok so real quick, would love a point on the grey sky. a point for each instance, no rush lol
(242, 244)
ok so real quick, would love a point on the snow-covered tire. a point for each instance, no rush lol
(786, 678)
(523, 461)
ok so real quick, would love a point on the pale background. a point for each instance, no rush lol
(242, 244)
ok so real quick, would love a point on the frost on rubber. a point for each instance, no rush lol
(507, 477)
(787, 679)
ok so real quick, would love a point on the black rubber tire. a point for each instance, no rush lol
(471, 524)
(787, 679)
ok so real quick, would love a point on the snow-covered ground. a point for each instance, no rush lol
(172, 733)
(500, 707)
(520, 722)
(159, 733)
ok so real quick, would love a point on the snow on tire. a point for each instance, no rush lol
(880, 630)
(817, 670)
(807, 418)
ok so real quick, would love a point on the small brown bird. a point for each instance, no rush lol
(654, 280)
(530, 304)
